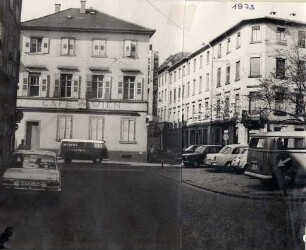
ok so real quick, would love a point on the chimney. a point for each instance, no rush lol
(57, 7)
(83, 6)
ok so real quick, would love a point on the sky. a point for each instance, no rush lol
(204, 20)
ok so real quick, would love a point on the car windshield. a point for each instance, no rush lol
(34, 161)
(226, 150)
(200, 149)
(191, 147)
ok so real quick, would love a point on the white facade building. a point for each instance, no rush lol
(209, 88)
(84, 76)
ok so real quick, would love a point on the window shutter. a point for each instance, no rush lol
(26, 44)
(25, 83)
(68, 132)
(65, 45)
(127, 48)
(100, 129)
(131, 130)
(138, 87)
(120, 87)
(102, 47)
(43, 85)
(45, 45)
(107, 88)
(76, 86)
(95, 47)
(88, 86)
(57, 86)
(61, 128)
(125, 130)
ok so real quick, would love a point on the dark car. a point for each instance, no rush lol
(197, 158)
(190, 149)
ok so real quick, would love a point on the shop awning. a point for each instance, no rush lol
(36, 69)
(131, 71)
(68, 69)
(99, 69)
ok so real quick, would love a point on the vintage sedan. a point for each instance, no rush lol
(224, 158)
(197, 158)
(241, 161)
(33, 170)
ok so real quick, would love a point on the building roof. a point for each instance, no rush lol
(172, 60)
(235, 28)
(92, 21)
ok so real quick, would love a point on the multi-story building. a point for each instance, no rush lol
(9, 67)
(152, 85)
(209, 89)
(84, 75)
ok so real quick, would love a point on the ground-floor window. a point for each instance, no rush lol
(128, 130)
(96, 128)
(64, 127)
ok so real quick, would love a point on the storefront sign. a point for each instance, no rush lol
(80, 104)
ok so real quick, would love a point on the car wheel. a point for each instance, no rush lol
(227, 166)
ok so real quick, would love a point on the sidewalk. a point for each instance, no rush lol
(238, 185)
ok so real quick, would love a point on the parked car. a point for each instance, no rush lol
(33, 170)
(277, 158)
(223, 159)
(197, 158)
(77, 149)
(190, 149)
(240, 162)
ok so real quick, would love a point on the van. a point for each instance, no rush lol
(277, 157)
(75, 149)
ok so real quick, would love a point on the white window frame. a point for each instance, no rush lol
(98, 47)
(256, 34)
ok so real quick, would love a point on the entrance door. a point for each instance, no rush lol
(32, 135)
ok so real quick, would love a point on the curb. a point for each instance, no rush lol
(244, 196)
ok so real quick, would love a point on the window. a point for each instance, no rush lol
(188, 68)
(255, 67)
(183, 91)
(228, 74)
(280, 68)
(68, 46)
(174, 95)
(200, 84)
(237, 76)
(199, 108)
(219, 77)
(226, 107)
(237, 104)
(219, 50)
(194, 64)
(193, 110)
(96, 128)
(281, 35)
(255, 34)
(129, 87)
(179, 93)
(170, 78)
(300, 104)
(130, 49)
(279, 101)
(66, 85)
(207, 82)
(188, 89)
(170, 97)
(301, 39)
(228, 46)
(194, 87)
(207, 57)
(128, 130)
(36, 43)
(206, 110)
(218, 108)
(184, 70)
(34, 84)
(179, 73)
(201, 61)
(64, 127)
(98, 47)
(238, 45)
(254, 104)
(100, 88)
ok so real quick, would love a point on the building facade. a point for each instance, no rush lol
(208, 91)
(10, 12)
(84, 76)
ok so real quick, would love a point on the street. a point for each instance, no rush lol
(120, 206)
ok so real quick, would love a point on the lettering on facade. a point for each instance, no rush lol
(80, 104)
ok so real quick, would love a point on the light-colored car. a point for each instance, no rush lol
(33, 170)
(223, 159)
(240, 162)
